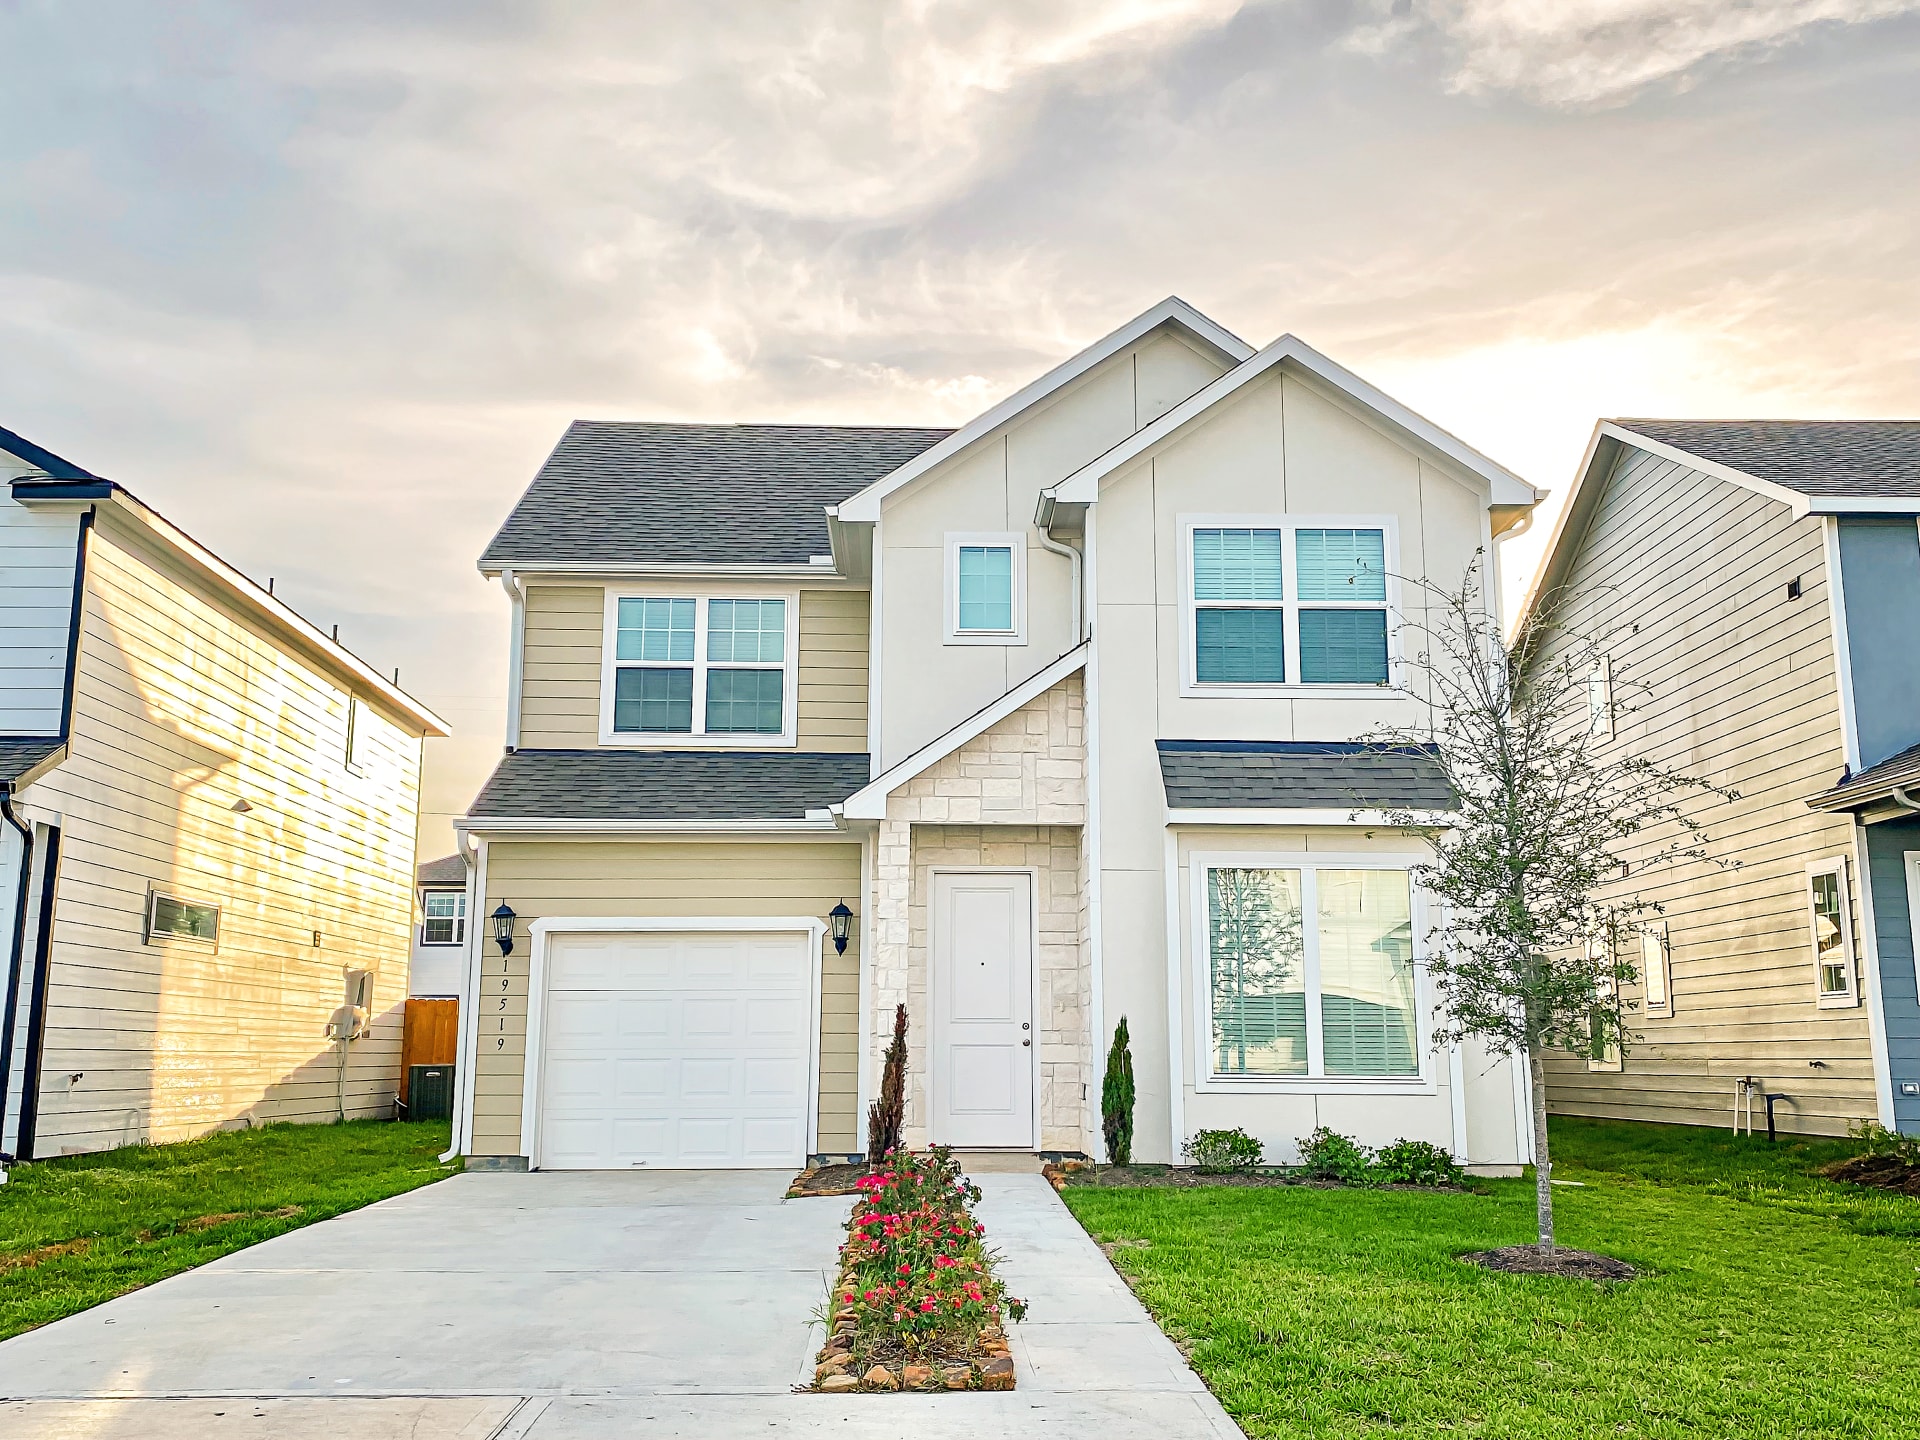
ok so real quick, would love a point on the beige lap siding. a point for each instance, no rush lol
(180, 711)
(1687, 574)
(560, 703)
(639, 879)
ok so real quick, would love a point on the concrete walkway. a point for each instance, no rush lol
(546, 1307)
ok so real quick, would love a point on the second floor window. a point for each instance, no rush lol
(986, 589)
(699, 666)
(444, 919)
(1288, 603)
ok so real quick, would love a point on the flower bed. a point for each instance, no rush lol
(917, 1305)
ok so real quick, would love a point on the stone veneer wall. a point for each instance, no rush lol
(1012, 796)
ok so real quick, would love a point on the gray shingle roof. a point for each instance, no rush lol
(616, 492)
(20, 753)
(1299, 775)
(447, 870)
(667, 785)
(1876, 782)
(1834, 458)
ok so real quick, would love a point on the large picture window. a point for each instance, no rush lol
(687, 667)
(1282, 601)
(1309, 972)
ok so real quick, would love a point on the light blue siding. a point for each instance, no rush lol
(1880, 566)
(1887, 847)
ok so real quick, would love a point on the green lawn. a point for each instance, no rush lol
(1773, 1303)
(82, 1229)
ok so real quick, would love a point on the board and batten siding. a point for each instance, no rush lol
(642, 879)
(182, 710)
(1717, 673)
(560, 696)
(38, 551)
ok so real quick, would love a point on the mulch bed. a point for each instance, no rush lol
(1079, 1174)
(1574, 1264)
(827, 1180)
(1883, 1172)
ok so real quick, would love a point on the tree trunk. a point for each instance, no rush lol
(1542, 1157)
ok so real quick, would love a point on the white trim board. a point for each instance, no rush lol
(1083, 486)
(539, 932)
(864, 506)
(1345, 819)
(870, 802)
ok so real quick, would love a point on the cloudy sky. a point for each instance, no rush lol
(324, 281)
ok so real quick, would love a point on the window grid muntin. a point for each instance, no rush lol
(701, 666)
(1309, 869)
(984, 551)
(1290, 602)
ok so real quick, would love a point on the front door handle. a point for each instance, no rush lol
(1026, 1042)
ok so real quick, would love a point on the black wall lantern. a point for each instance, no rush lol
(503, 928)
(842, 919)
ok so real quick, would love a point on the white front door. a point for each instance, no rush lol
(983, 1010)
(675, 1050)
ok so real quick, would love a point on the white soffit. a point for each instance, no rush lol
(864, 506)
(1083, 486)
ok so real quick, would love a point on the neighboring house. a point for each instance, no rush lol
(1054, 715)
(440, 937)
(1756, 585)
(207, 837)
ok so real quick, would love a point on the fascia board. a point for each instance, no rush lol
(1799, 503)
(1553, 560)
(1862, 504)
(251, 596)
(870, 802)
(50, 762)
(490, 826)
(1249, 816)
(864, 505)
(532, 569)
(1506, 488)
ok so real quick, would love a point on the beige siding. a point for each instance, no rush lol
(637, 879)
(560, 697)
(181, 711)
(830, 711)
(560, 700)
(1732, 681)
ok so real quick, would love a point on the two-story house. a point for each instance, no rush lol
(1027, 726)
(1756, 588)
(207, 812)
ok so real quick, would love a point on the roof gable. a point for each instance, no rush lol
(44, 461)
(1508, 489)
(864, 507)
(621, 494)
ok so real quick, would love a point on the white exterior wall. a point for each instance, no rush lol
(1280, 446)
(927, 685)
(434, 969)
(37, 553)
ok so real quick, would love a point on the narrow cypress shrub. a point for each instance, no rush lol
(886, 1114)
(1116, 1099)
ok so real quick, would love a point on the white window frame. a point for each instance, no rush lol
(459, 918)
(1289, 525)
(1013, 540)
(1205, 1082)
(1611, 1059)
(150, 936)
(357, 738)
(698, 738)
(1600, 689)
(1839, 999)
(1655, 931)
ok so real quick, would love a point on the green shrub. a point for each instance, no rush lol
(1875, 1139)
(1415, 1162)
(1116, 1099)
(1328, 1155)
(1216, 1150)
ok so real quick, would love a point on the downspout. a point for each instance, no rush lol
(516, 654)
(15, 953)
(1042, 518)
(466, 1020)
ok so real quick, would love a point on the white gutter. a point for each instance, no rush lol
(516, 653)
(1434, 819)
(1047, 542)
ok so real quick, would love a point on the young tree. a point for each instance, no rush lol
(1116, 1098)
(889, 1110)
(1529, 870)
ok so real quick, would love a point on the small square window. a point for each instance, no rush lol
(653, 701)
(171, 918)
(744, 702)
(985, 588)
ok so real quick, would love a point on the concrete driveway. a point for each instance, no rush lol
(543, 1307)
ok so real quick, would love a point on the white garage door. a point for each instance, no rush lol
(675, 1051)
